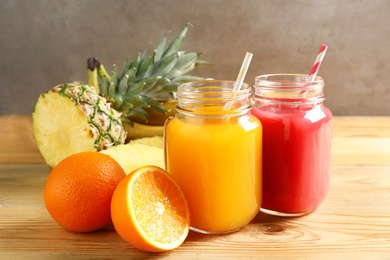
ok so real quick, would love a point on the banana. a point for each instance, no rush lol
(141, 130)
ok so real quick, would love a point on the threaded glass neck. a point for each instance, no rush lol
(213, 98)
(289, 88)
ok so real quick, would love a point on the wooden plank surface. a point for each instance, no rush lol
(17, 141)
(352, 223)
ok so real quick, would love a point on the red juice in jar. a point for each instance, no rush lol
(296, 143)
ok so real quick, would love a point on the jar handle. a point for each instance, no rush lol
(165, 139)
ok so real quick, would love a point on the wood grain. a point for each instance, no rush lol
(17, 141)
(352, 223)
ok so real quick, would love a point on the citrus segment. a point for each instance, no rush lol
(149, 210)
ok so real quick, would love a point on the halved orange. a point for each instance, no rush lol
(149, 210)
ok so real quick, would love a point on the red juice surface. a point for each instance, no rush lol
(296, 156)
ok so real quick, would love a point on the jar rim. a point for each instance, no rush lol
(287, 80)
(221, 85)
(289, 88)
(213, 98)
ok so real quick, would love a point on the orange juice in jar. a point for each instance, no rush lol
(212, 152)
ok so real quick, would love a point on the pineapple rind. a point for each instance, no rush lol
(105, 123)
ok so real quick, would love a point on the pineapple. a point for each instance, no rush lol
(146, 82)
(72, 118)
(157, 141)
(137, 153)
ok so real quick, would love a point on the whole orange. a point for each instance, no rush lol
(79, 189)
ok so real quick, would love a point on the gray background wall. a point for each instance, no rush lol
(47, 42)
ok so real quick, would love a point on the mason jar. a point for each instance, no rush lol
(212, 150)
(296, 142)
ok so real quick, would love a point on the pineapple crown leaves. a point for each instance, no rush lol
(147, 78)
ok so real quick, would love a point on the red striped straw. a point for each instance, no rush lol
(317, 63)
(315, 68)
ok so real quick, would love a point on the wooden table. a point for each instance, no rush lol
(353, 222)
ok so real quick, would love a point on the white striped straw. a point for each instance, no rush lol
(317, 63)
(241, 76)
(315, 68)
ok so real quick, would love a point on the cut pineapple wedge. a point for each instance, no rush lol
(56, 122)
(72, 118)
(153, 141)
(138, 153)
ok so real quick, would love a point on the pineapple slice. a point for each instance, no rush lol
(153, 141)
(138, 153)
(72, 118)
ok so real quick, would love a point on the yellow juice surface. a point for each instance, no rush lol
(217, 163)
